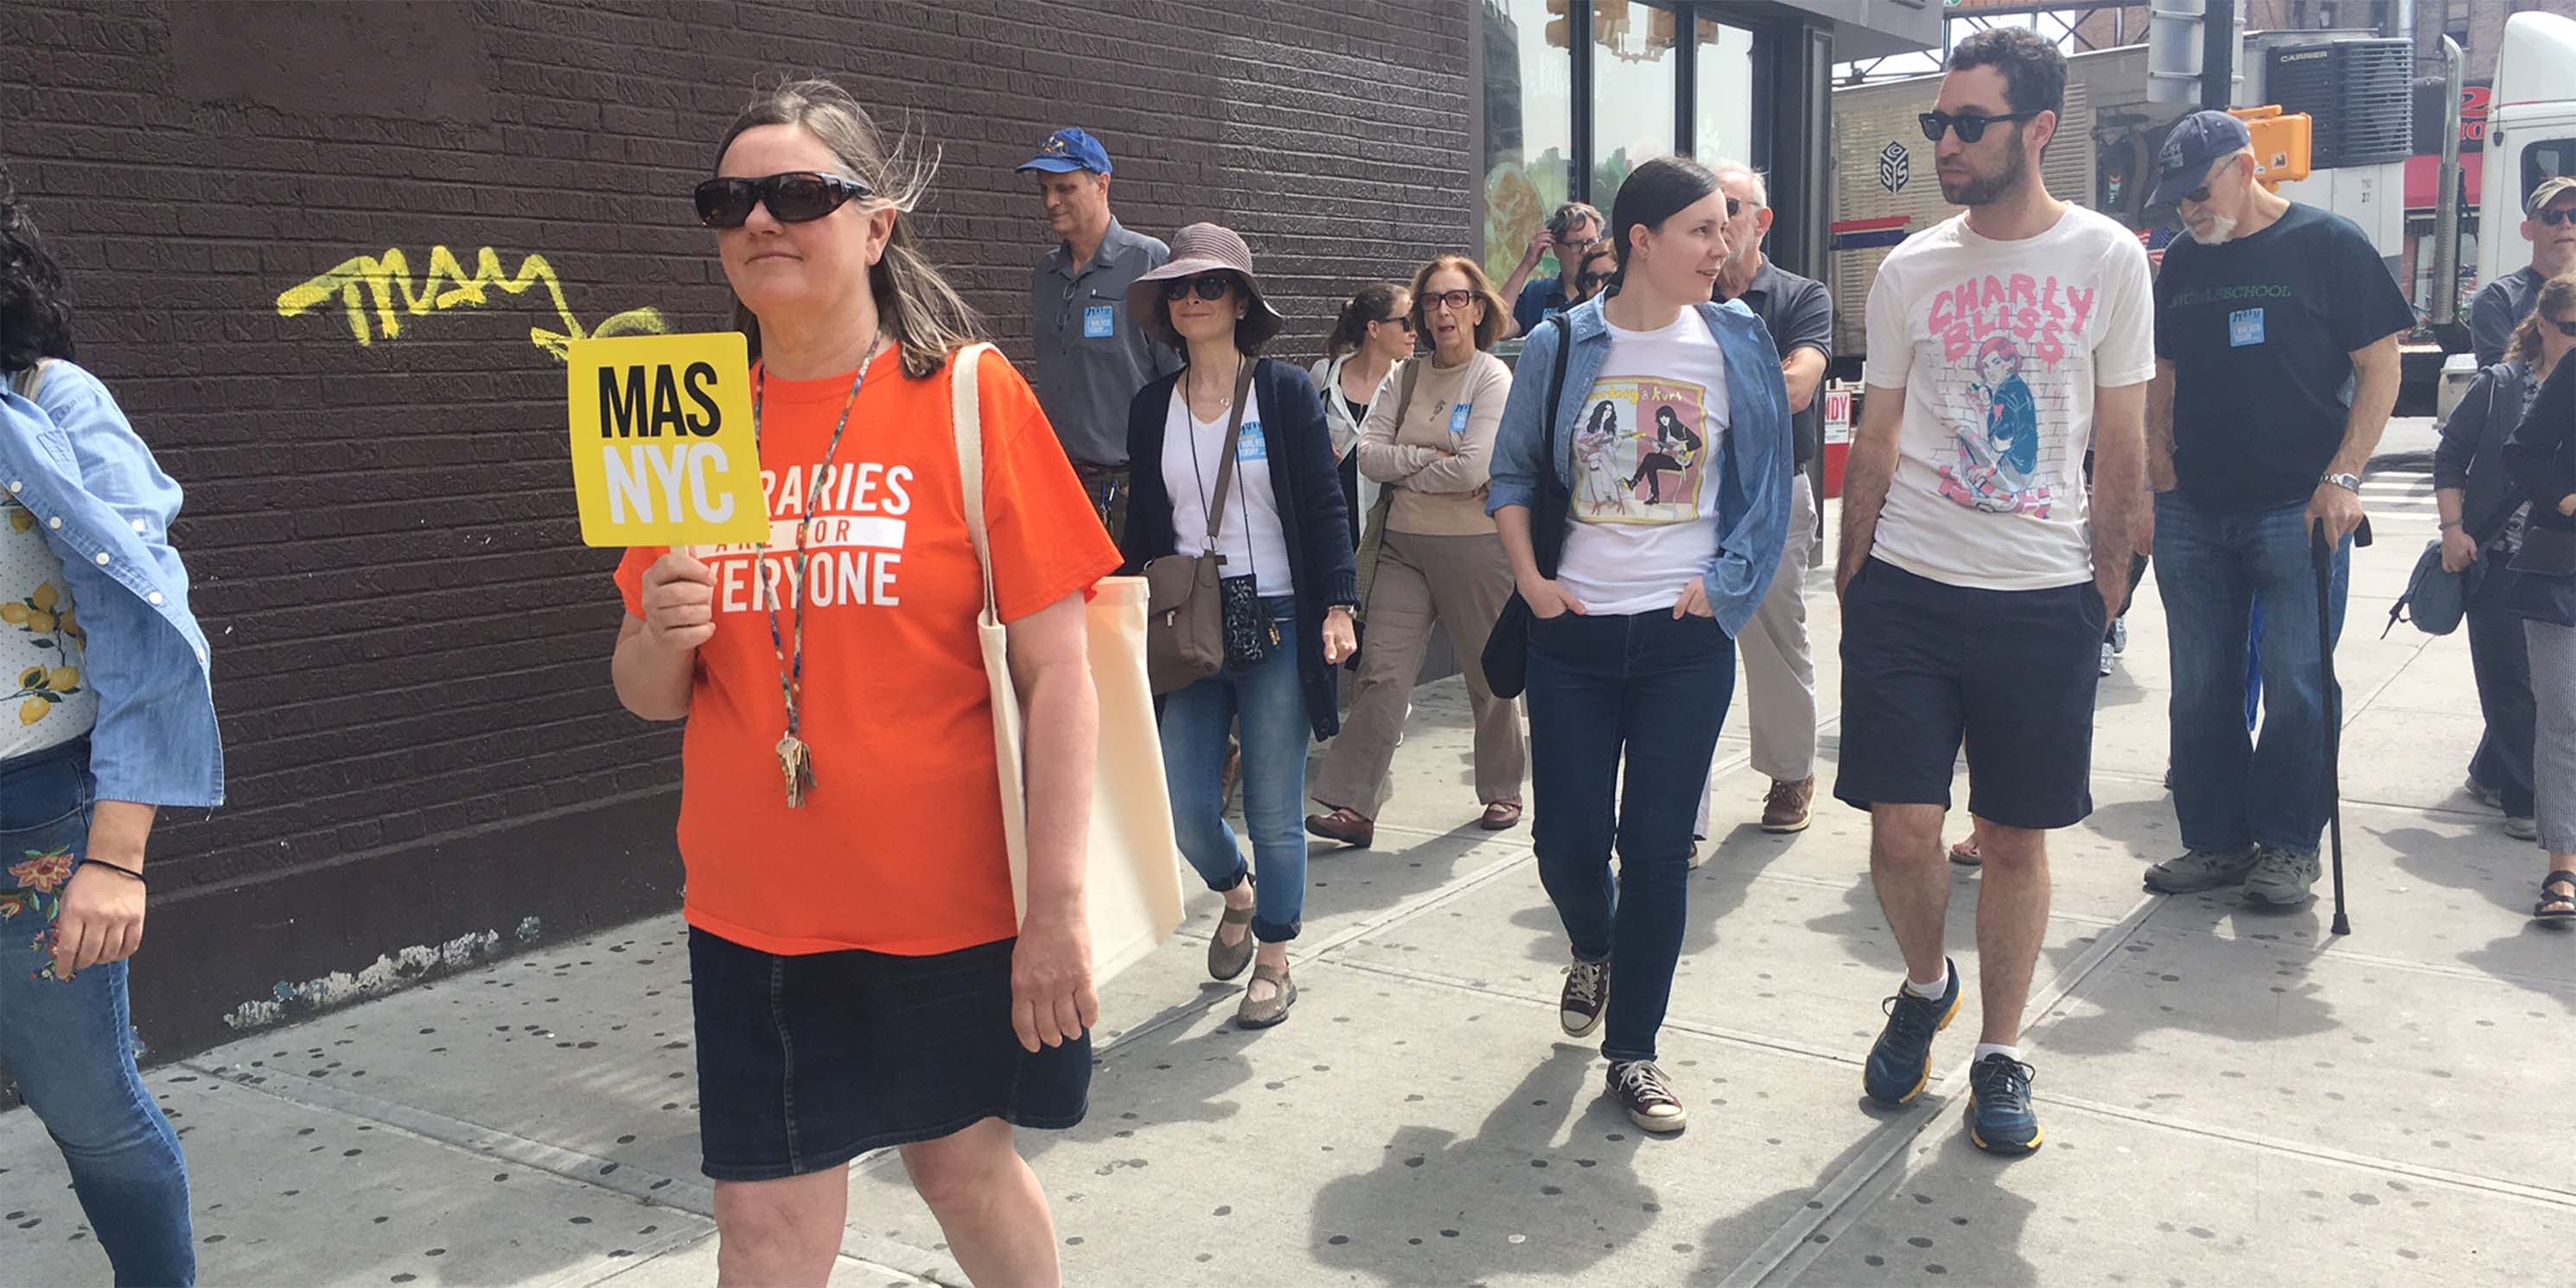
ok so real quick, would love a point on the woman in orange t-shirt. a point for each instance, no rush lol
(858, 976)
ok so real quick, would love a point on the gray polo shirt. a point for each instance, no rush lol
(1092, 357)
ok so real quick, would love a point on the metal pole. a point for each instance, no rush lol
(2218, 55)
(2173, 51)
(2446, 216)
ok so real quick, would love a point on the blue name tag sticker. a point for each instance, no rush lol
(1254, 447)
(1458, 421)
(2244, 327)
(1097, 323)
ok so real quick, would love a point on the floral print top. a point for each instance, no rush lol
(42, 646)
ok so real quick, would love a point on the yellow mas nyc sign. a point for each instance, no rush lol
(663, 452)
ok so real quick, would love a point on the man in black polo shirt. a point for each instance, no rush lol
(2276, 368)
(1779, 667)
(2549, 224)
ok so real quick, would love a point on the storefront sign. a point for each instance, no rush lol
(663, 452)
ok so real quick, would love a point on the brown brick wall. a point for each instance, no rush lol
(410, 644)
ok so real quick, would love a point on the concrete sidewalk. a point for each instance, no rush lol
(2229, 1097)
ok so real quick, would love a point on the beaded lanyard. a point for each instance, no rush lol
(795, 758)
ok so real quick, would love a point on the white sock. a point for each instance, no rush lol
(1985, 1049)
(1932, 990)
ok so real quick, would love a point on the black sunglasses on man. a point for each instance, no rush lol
(1970, 125)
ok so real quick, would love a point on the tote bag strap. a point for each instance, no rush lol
(966, 416)
(27, 382)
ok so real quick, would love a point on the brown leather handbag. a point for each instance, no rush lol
(1184, 609)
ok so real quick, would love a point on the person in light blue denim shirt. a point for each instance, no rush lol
(113, 718)
(1673, 457)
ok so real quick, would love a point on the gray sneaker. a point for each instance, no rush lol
(2282, 878)
(2522, 829)
(2200, 870)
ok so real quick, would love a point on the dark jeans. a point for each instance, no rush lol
(70, 1043)
(2231, 791)
(1655, 689)
(2501, 657)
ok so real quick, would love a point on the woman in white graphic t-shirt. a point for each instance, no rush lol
(1661, 462)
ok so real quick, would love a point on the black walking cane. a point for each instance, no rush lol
(2322, 552)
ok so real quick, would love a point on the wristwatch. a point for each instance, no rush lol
(2348, 482)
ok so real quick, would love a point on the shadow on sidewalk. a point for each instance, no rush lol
(1509, 1199)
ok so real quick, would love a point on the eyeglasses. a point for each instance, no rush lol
(1399, 322)
(1455, 301)
(1970, 125)
(1208, 286)
(1592, 281)
(2554, 218)
(796, 197)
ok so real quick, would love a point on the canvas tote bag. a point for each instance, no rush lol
(1132, 872)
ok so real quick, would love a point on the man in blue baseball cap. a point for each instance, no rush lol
(2276, 369)
(1091, 357)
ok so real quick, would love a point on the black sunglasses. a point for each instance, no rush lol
(1970, 125)
(2554, 218)
(1208, 286)
(796, 197)
(2565, 327)
(1400, 321)
(1592, 281)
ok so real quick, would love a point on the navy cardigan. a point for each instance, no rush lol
(1308, 488)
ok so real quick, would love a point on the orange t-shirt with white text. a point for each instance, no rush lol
(899, 846)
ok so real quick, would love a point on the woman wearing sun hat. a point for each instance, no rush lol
(1284, 533)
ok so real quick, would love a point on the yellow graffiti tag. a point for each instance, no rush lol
(383, 278)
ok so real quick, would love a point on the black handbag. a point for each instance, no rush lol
(1506, 656)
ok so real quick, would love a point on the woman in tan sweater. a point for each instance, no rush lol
(1429, 439)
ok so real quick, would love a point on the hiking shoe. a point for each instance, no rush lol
(2107, 651)
(2282, 878)
(1900, 1064)
(1999, 1116)
(1587, 991)
(1640, 1088)
(2522, 829)
(2119, 635)
(1790, 806)
(2200, 870)
(2482, 794)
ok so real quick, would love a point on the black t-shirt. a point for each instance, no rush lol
(1799, 313)
(2261, 331)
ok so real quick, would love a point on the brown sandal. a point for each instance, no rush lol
(1225, 961)
(1263, 1014)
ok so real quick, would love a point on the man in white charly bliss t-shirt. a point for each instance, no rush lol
(1977, 574)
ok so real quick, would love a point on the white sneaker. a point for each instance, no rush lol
(2106, 657)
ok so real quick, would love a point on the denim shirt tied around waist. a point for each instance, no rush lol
(1754, 485)
(105, 507)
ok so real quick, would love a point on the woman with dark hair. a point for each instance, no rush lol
(1289, 589)
(1374, 333)
(1437, 564)
(859, 974)
(114, 721)
(2483, 517)
(2540, 470)
(1632, 650)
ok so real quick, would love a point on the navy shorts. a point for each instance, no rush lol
(807, 1062)
(2011, 673)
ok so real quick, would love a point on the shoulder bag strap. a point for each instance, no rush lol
(1549, 546)
(966, 416)
(2504, 513)
(1404, 388)
(1233, 440)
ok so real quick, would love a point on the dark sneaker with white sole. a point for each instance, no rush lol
(1587, 991)
(2200, 870)
(1641, 1089)
(2000, 1120)
(2282, 878)
(1900, 1064)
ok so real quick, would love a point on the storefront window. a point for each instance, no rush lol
(1529, 125)
(1634, 68)
(1722, 110)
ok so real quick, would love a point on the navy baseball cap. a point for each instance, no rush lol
(2196, 144)
(1068, 150)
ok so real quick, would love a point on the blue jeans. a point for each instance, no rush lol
(2232, 791)
(1270, 702)
(69, 1043)
(1656, 690)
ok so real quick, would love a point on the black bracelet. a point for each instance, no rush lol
(112, 867)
